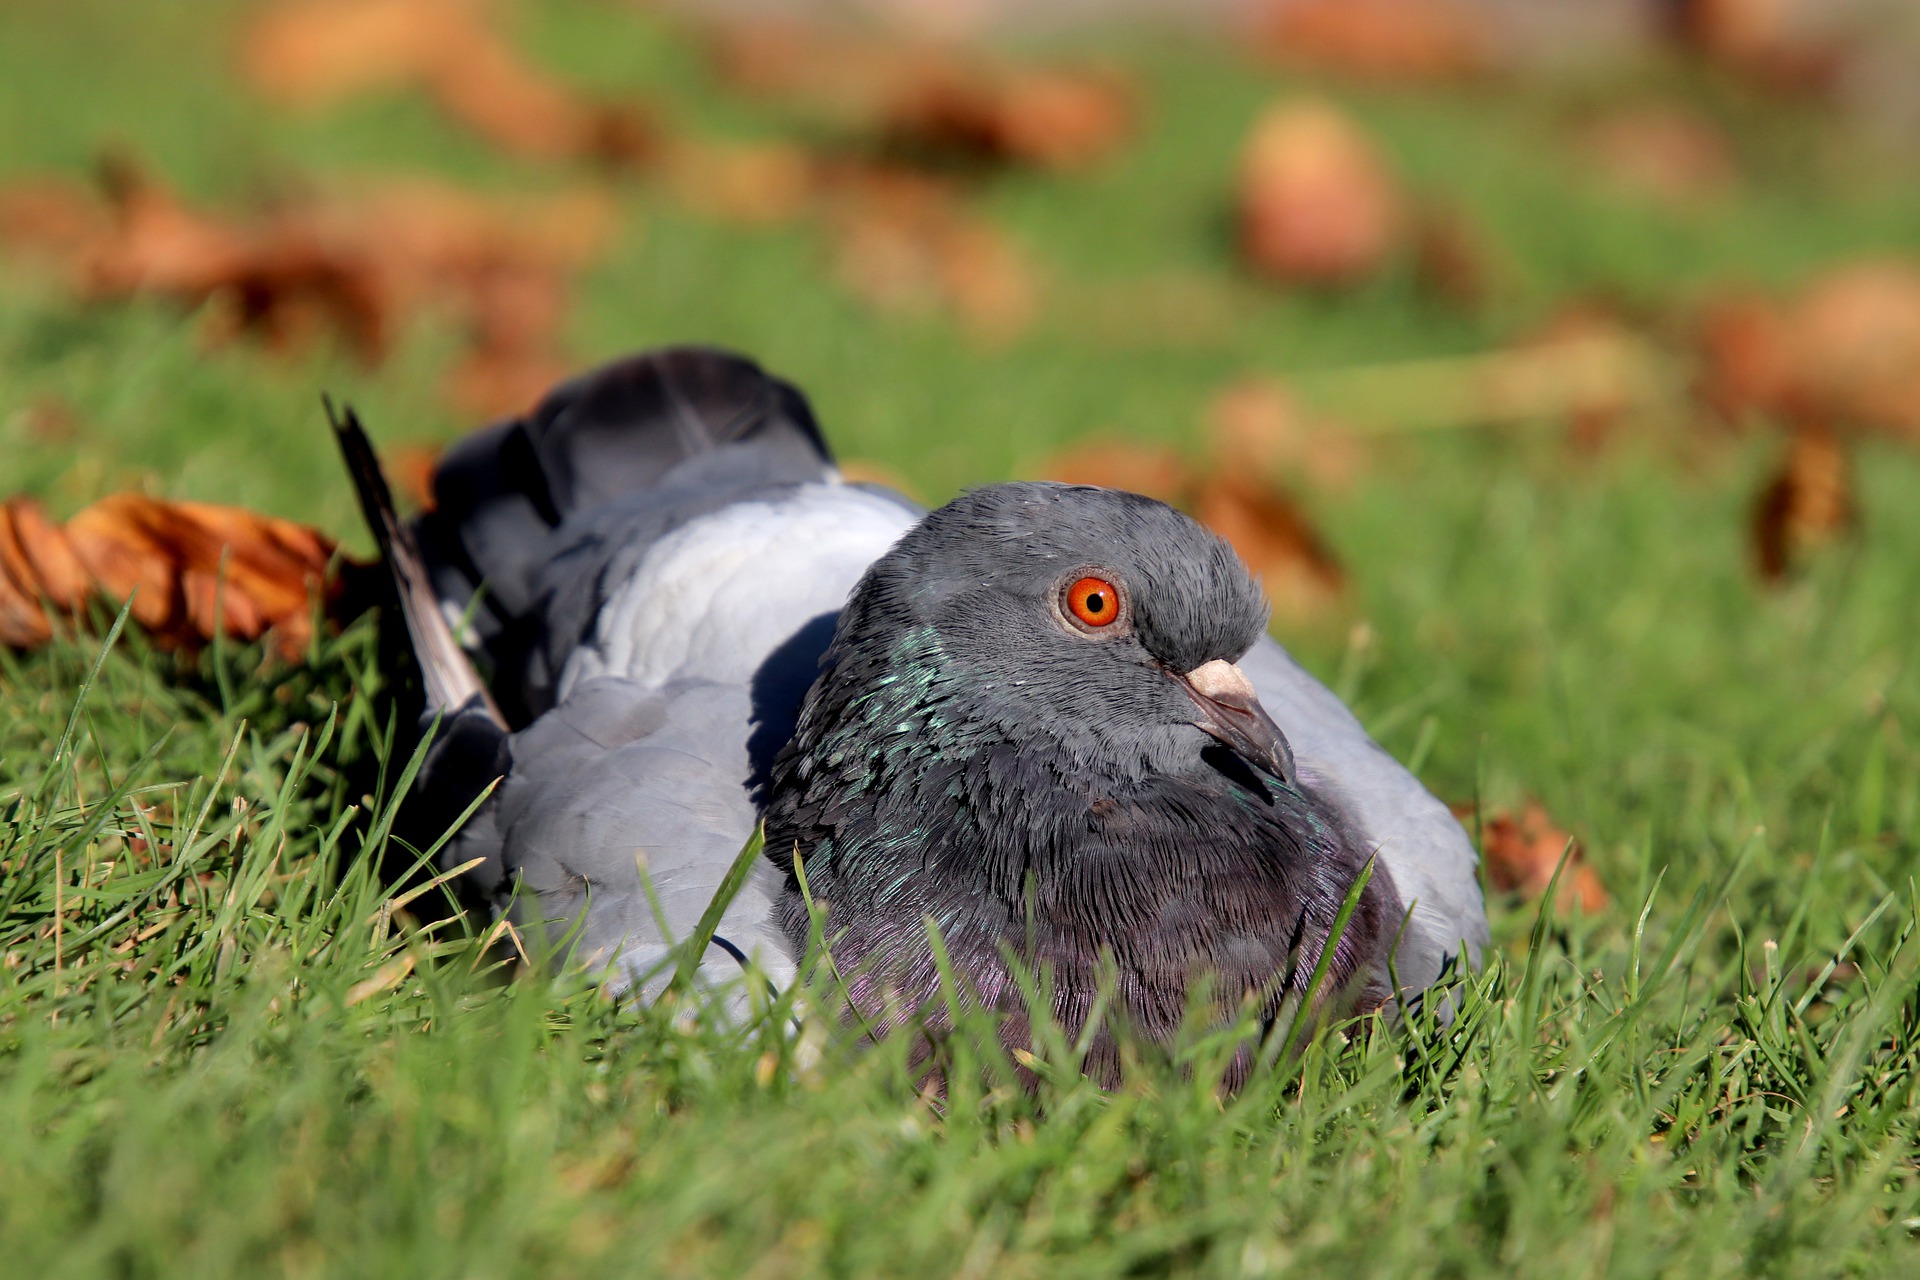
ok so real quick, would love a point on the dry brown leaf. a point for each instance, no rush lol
(1453, 260)
(316, 52)
(51, 218)
(934, 101)
(1258, 426)
(1273, 536)
(1745, 357)
(1856, 334)
(46, 559)
(1057, 120)
(844, 76)
(904, 243)
(1120, 464)
(192, 569)
(410, 468)
(504, 382)
(1666, 154)
(1521, 854)
(1395, 40)
(754, 183)
(1316, 203)
(358, 265)
(1844, 352)
(1761, 39)
(1807, 504)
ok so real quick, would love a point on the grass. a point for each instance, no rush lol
(223, 1051)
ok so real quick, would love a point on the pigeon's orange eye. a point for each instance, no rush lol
(1095, 601)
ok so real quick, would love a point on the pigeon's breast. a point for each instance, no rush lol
(714, 598)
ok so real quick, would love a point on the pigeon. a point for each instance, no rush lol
(1043, 723)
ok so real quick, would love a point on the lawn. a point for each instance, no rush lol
(229, 1047)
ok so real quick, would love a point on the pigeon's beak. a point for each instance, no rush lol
(1230, 710)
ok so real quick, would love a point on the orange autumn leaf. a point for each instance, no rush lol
(410, 469)
(1047, 119)
(1119, 464)
(1273, 536)
(1806, 504)
(1521, 853)
(1256, 425)
(934, 101)
(358, 264)
(1316, 203)
(316, 52)
(1664, 153)
(192, 569)
(1845, 351)
(751, 183)
(1453, 259)
(1392, 40)
(904, 243)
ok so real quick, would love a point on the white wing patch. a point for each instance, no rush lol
(712, 599)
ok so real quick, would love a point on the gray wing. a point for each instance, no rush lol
(624, 810)
(1432, 861)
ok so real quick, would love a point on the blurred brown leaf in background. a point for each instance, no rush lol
(1844, 351)
(1665, 153)
(905, 243)
(356, 265)
(1316, 203)
(314, 53)
(1261, 426)
(1522, 851)
(934, 102)
(1806, 505)
(1391, 40)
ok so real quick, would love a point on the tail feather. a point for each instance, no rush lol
(451, 681)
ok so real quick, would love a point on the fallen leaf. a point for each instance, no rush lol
(753, 183)
(51, 218)
(1745, 357)
(1856, 336)
(1765, 40)
(933, 102)
(1666, 154)
(1050, 119)
(1453, 260)
(1119, 464)
(410, 469)
(1521, 854)
(1272, 535)
(1256, 425)
(1393, 40)
(46, 560)
(1807, 504)
(313, 53)
(193, 569)
(1316, 203)
(358, 264)
(904, 244)
(1844, 352)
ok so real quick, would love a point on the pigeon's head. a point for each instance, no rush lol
(1103, 621)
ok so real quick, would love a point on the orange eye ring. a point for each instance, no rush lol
(1094, 601)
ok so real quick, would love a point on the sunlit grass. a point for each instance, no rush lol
(228, 1048)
